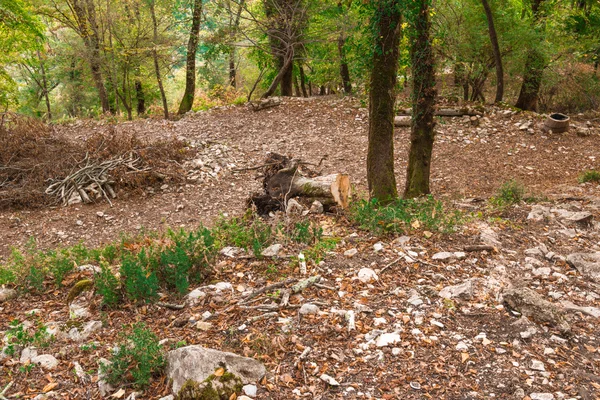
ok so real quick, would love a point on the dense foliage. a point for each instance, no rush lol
(79, 58)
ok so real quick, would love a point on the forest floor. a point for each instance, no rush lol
(467, 347)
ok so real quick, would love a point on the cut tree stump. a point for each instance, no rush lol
(283, 180)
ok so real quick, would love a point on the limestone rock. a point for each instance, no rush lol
(7, 294)
(367, 275)
(294, 208)
(272, 250)
(197, 363)
(46, 361)
(588, 264)
(532, 305)
(465, 290)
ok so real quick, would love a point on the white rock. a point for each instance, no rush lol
(171, 397)
(309, 309)
(316, 207)
(377, 247)
(195, 296)
(537, 365)
(544, 271)
(367, 275)
(293, 208)
(351, 252)
(388, 338)
(462, 346)
(460, 255)
(443, 256)
(250, 390)
(272, 250)
(379, 321)
(231, 251)
(541, 396)
(222, 286)
(330, 380)
(79, 310)
(27, 354)
(46, 361)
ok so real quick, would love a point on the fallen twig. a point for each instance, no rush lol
(264, 316)
(3, 392)
(390, 264)
(171, 306)
(479, 247)
(300, 286)
(266, 289)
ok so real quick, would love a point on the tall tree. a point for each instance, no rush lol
(382, 97)
(534, 68)
(344, 69)
(496, 49)
(163, 96)
(87, 27)
(190, 68)
(423, 101)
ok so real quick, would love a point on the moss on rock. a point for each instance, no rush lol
(214, 387)
(78, 288)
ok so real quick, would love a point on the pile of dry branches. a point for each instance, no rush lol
(39, 167)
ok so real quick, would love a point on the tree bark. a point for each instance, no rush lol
(496, 49)
(302, 80)
(534, 70)
(85, 14)
(289, 58)
(423, 97)
(344, 70)
(287, 77)
(190, 69)
(140, 97)
(45, 90)
(382, 97)
(159, 81)
(232, 33)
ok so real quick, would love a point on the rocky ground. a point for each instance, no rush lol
(401, 317)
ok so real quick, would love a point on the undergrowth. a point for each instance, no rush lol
(138, 357)
(137, 268)
(589, 176)
(403, 215)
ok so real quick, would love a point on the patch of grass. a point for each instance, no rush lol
(140, 282)
(139, 357)
(589, 176)
(403, 215)
(19, 336)
(247, 232)
(511, 192)
(317, 252)
(107, 286)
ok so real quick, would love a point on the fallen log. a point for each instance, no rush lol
(283, 180)
(264, 104)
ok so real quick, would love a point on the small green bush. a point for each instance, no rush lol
(18, 336)
(107, 286)
(140, 282)
(138, 358)
(511, 192)
(247, 232)
(590, 176)
(402, 215)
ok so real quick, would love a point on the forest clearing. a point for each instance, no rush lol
(288, 199)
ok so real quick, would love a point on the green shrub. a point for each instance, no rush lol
(107, 286)
(140, 282)
(511, 192)
(247, 232)
(590, 176)
(317, 252)
(138, 358)
(306, 232)
(18, 336)
(402, 215)
(60, 265)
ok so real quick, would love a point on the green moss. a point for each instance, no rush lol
(80, 287)
(212, 388)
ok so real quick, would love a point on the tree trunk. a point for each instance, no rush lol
(287, 77)
(532, 81)
(190, 69)
(141, 98)
(232, 71)
(496, 49)
(163, 95)
(424, 92)
(85, 13)
(344, 70)
(534, 70)
(233, 33)
(302, 80)
(382, 97)
(297, 87)
(283, 71)
(45, 90)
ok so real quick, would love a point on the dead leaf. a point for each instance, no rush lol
(120, 393)
(49, 387)
(219, 372)
(464, 356)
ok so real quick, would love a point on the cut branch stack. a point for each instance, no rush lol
(93, 180)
